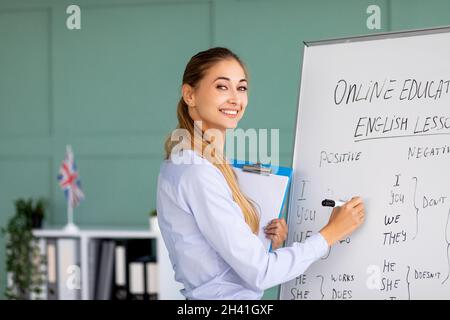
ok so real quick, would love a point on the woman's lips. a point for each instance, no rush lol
(230, 113)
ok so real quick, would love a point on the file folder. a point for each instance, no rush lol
(267, 186)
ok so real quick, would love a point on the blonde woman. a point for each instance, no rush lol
(208, 225)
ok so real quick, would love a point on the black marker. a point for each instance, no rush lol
(332, 203)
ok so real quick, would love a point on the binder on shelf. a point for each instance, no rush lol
(139, 253)
(152, 278)
(267, 186)
(137, 280)
(120, 291)
(68, 269)
(93, 261)
(52, 274)
(105, 270)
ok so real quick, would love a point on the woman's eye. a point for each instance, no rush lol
(222, 87)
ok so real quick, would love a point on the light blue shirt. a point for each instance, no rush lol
(213, 251)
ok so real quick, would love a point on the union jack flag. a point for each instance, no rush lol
(69, 181)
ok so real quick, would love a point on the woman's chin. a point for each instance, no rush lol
(233, 126)
(225, 125)
(229, 125)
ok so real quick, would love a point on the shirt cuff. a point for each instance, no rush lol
(319, 244)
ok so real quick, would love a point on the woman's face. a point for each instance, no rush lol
(220, 98)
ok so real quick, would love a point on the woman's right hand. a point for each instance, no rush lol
(344, 220)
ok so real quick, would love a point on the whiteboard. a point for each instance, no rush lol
(374, 121)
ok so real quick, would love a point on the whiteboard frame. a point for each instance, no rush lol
(368, 37)
(378, 36)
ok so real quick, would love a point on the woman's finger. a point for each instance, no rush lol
(277, 232)
(280, 235)
(272, 227)
(277, 227)
(279, 222)
(273, 223)
(272, 232)
(276, 221)
(272, 237)
(359, 207)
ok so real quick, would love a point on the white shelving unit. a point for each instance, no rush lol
(169, 289)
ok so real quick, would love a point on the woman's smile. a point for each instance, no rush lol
(229, 113)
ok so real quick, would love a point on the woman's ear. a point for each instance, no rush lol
(188, 94)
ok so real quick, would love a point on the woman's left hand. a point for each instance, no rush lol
(276, 231)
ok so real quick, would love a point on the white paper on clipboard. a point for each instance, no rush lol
(268, 192)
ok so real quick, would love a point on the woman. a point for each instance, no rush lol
(208, 225)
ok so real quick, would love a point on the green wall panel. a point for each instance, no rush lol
(121, 73)
(24, 68)
(416, 14)
(119, 191)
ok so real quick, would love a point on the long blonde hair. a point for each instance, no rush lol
(194, 72)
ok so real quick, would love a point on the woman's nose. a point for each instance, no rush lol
(234, 98)
(233, 102)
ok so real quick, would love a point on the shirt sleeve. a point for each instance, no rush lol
(205, 192)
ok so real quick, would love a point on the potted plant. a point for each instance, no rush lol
(153, 220)
(38, 214)
(23, 258)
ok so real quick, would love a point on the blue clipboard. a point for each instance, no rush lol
(268, 190)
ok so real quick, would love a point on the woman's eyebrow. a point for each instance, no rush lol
(228, 79)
